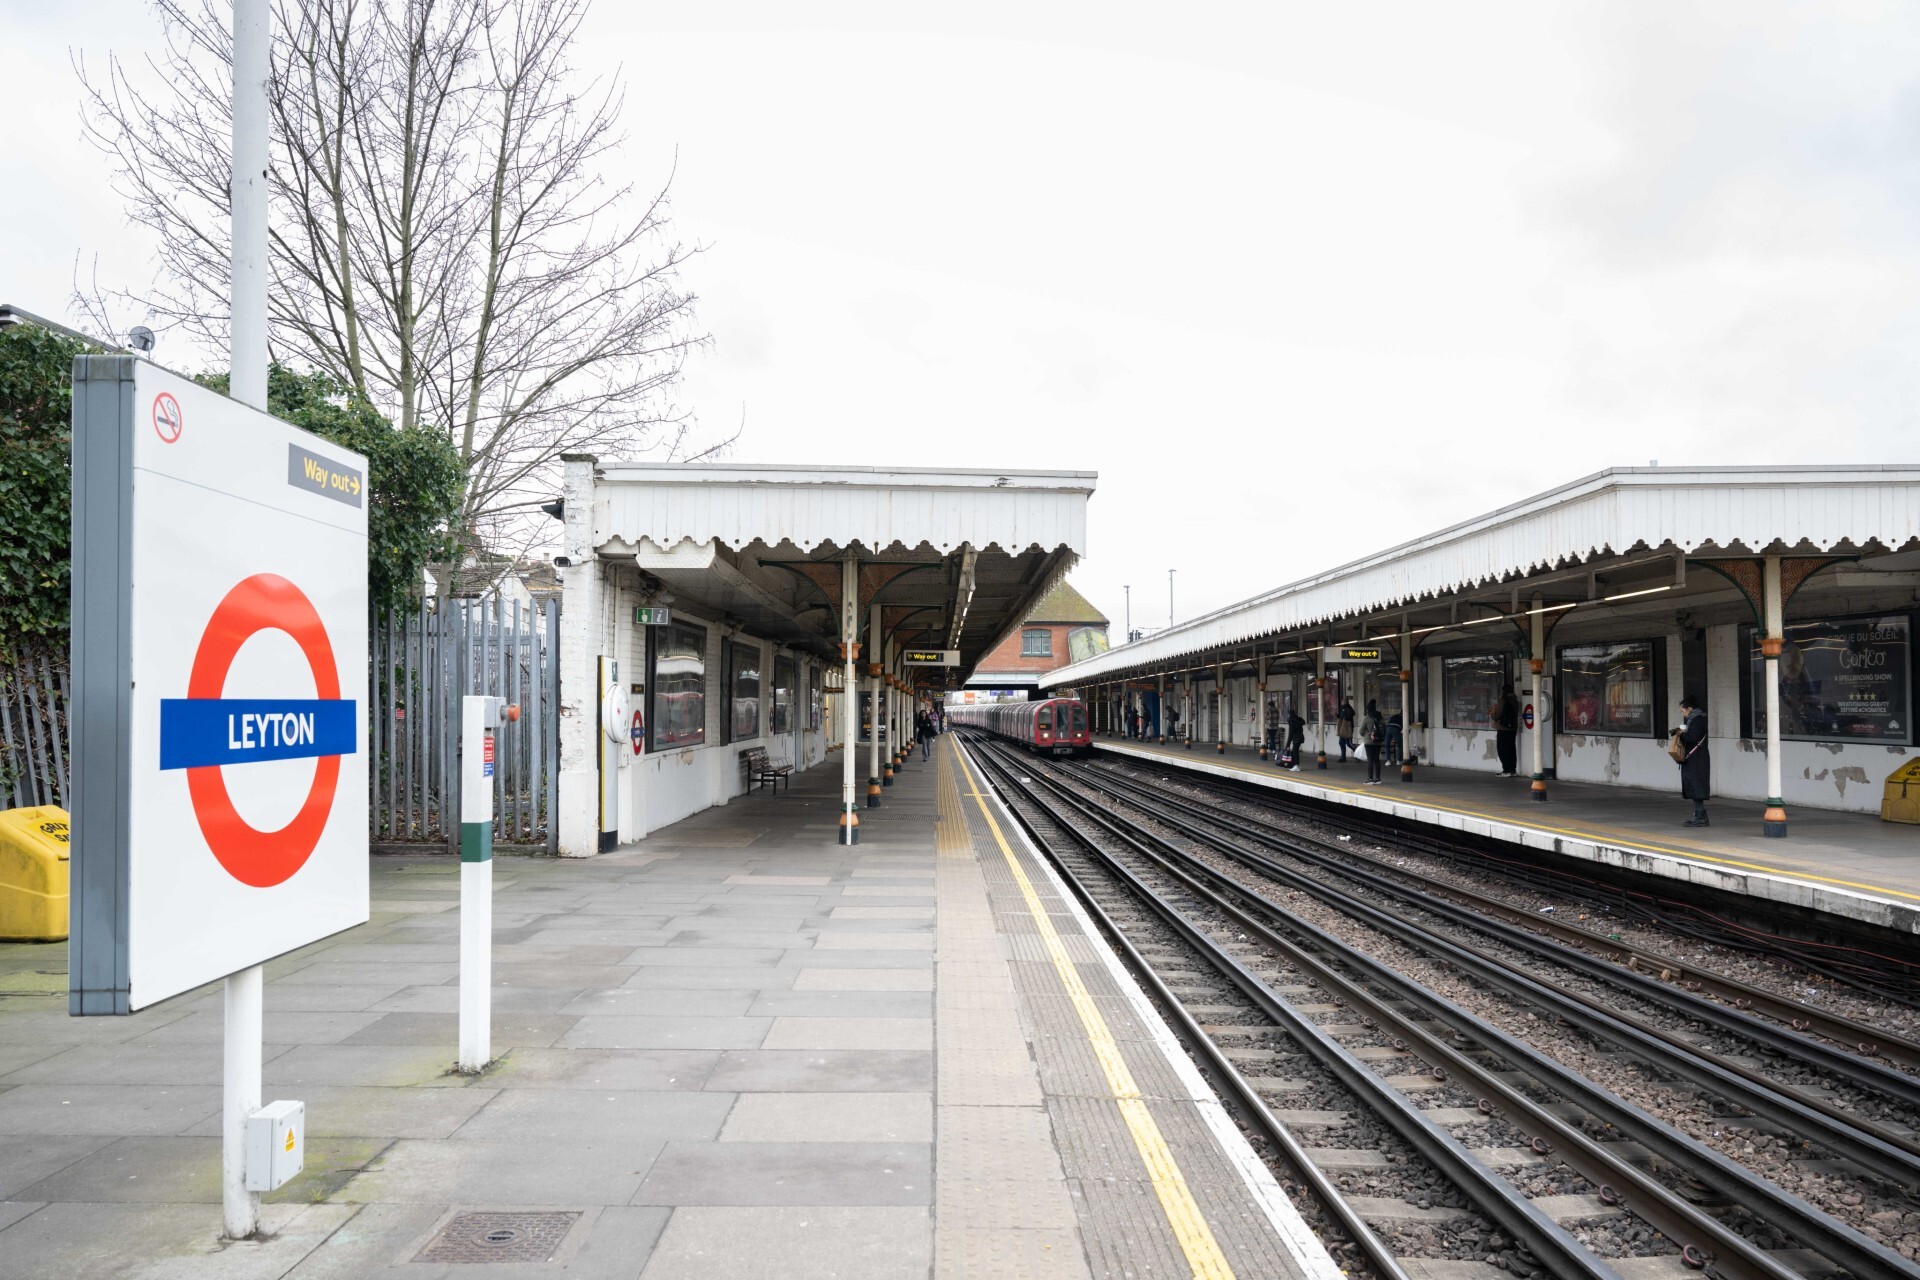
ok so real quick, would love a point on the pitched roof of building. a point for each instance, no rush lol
(1064, 604)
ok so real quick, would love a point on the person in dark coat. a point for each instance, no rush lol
(1696, 769)
(1373, 732)
(1506, 731)
(1296, 736)
(1343, 728)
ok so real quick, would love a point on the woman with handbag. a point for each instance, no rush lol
(1688, 747)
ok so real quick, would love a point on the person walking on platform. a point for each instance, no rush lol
(1506, 731)
(1296, 738)
(1373, 733)
(1343, 728)
(1394, 739)
(1688, 747)
(924, 729)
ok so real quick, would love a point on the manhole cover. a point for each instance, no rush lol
(499, 1237)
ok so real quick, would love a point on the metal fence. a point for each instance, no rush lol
(33, 729)
(421, 667)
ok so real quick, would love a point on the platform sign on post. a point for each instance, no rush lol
(220, 672)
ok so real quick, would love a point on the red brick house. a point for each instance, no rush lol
(1062, 628)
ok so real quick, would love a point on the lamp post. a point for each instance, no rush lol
(1170, 574)
(1129, 631)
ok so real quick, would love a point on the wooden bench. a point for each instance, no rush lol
(762, 770)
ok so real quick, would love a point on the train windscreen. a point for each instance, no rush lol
(1079, 717)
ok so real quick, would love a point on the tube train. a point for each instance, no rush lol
(1057, 726)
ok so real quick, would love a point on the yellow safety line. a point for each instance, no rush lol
(1176, 1199)
(1623, 839)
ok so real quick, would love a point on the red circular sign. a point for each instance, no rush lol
(264, 602)
(639, 732)
(167, 419)
(1527, 715)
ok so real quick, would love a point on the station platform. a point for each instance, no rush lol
(734, 1050)
(1845, 864)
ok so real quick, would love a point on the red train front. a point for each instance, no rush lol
(1056, 726)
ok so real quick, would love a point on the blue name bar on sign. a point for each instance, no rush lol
(195, 732)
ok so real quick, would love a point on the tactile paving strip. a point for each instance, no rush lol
(499, 1237)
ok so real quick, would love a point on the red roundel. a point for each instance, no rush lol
(264, 602)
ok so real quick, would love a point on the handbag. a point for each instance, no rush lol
(1676, 750)
(1360, 753)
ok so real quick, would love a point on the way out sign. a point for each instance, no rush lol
(220, 686)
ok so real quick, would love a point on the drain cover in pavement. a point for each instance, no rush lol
(499, 1237)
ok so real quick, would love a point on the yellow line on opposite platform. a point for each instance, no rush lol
(1169, 1184)
(1616, 835)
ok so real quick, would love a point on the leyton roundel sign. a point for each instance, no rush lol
(205, 733)
(221, 776)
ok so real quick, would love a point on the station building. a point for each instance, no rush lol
(1786, 598)
(713, 611)
(1063, 628)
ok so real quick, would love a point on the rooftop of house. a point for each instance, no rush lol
(1064, 604)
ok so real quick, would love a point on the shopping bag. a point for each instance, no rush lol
(1360, 753)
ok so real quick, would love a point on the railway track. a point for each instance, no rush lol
(1432, 1133)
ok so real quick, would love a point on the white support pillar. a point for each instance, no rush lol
(1260, 704)
(1537, 667)
(1223, 712)
(849, 696)
(244, 1003)
(1318, 688)
(1406, 702)
(875, 712)
(1773, 823)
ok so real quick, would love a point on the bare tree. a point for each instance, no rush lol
(443, 237)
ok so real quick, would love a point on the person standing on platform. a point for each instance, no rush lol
(924, 729)
(1395, 736)
(1296, 737)
(1272, 735)
(1689, 748)
(1373, 733)
(1506, 731)
(1133, 721)
(1343, 728)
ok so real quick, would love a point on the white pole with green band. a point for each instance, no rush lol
(479, 717)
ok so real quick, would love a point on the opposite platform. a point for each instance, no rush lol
(1844, 864)
(736, 1050)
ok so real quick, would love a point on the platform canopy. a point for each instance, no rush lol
(1605, 541)
(955, 559)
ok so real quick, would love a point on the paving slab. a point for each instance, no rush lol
(790, 1173)
(793, 1243)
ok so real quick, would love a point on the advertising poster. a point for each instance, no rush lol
(1472, 685)
(1607, 688)
(1846, 679)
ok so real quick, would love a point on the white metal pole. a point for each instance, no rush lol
(1538, 669)
(1773, 822)
(1319, 687)
(873, 706)
(247, 334)
(247, 364)
(849, 696)
(1406, 703)
(478, 716)
(240, 1087)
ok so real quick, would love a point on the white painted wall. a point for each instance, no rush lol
(1821, 775)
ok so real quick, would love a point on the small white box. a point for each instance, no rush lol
(276, 1145)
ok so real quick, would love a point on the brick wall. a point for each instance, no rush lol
(1007, 656)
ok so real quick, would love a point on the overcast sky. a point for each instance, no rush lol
(1299, 281)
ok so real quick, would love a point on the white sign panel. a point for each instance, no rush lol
(246, 765)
